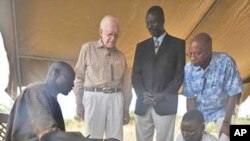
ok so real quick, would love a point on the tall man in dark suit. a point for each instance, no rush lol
(158, 73)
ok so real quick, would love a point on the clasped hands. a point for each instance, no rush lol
(150, 99)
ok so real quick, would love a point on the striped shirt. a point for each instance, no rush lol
(100, 67)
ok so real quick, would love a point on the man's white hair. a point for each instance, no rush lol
(107, 19)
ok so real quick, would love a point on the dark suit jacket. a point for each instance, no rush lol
(162, 73)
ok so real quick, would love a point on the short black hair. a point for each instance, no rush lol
(59, 66)
(156, 10)
(193, 115)
(203, 38)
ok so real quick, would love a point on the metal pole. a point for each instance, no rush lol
(16, 49)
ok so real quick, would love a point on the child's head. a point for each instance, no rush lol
(192, 125)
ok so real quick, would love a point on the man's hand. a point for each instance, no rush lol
(158, 97)
(80, 110)
(148, 100)
(152, 99)
(225, 129)
(126, 118)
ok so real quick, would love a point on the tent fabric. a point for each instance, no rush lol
(48, 30)
(32, 69)
(58, 28)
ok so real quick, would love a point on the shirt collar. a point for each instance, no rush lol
(160, 39)
(210, 65)
(100, 45)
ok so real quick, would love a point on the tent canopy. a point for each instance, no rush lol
(39, 31)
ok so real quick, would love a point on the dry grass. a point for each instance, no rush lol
(129, 130)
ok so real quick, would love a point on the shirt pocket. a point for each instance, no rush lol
(119, 68)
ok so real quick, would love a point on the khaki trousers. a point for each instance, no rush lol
(150, 122)
(103, 115)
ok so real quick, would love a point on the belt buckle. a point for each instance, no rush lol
(107, 90)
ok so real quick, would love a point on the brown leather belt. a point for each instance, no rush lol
(104, 90)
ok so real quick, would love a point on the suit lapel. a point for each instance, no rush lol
(151, 49)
